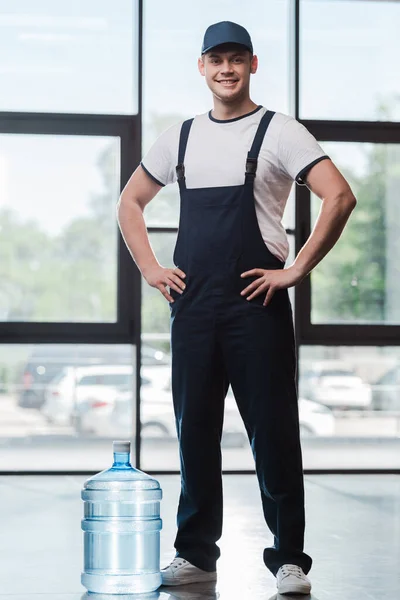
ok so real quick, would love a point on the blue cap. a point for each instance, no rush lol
(226, 32)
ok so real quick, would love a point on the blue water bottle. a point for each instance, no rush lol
(121, 528)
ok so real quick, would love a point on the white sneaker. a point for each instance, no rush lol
(290, 579)
(181, 572)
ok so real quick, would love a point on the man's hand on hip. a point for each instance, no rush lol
(159, 277)
(269, 281)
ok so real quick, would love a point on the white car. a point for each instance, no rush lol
(81, 389)
(334, 384)
(315, 419)
(156, 386)
(158, 417)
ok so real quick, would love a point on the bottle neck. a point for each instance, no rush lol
(121, 460)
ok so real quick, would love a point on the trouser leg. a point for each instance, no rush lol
(199, 386)
(259, 352)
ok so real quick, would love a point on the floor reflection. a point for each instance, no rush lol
(194, 591)
(352, 535)
(147, 596)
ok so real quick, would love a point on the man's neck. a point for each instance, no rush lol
(223, 112)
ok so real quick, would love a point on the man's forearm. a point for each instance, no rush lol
(134, 231)
(331, 220)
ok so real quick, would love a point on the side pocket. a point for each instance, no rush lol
(176, 295)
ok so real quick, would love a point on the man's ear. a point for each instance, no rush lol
(200, 65)
(254, 64)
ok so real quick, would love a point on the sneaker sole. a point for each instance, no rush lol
(199, 578)
(294, 589)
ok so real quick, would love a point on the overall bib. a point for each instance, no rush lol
(218, 338)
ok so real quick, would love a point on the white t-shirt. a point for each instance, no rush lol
(216, 156)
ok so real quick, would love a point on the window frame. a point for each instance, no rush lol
(331, 334)
(127, 328)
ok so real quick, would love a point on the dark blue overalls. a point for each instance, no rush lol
(218, 337)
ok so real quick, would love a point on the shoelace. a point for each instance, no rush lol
(178, 562)
(291, 570)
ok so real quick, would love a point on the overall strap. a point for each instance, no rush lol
(252, 155)
(183, 140)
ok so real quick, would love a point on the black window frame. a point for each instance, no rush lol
(332, 334)
(127, 328)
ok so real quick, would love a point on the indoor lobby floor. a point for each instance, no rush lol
(352, 534)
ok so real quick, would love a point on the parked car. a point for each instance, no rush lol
(315, 419)
(48, 360)
(76, 390)
(116, 420)
(334, 384)
(386, 390)
(156, 386)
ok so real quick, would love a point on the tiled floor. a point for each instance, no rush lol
(353, 535)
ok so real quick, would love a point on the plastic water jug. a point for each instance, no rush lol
(121, 528)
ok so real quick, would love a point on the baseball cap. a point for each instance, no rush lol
(226, 32)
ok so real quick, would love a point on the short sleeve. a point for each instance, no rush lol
(160, 161)
(298, 150)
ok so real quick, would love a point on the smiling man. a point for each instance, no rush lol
(231, 317)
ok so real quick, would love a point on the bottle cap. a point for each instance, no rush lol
(122, 446)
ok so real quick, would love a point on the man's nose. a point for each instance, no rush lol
(226, 67)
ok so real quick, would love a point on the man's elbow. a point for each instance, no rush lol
(351, 202)
(126, 202)
(347, 201)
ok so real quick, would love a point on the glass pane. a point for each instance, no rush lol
(163, 210)
(159, 442)
(350, 398)
(180, 45)
(58, 412)
(359, 280)
(58, 228)
(349, 413)
(155, 308)
(71, 56)
(348, 60)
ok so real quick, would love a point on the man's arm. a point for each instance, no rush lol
(338, 201)
(137, 193)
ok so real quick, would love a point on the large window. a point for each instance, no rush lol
(61, 405)
(349, 59)
(346, 403)
(359, 281)
(69, 291)
(69, 57)
(58, 240)
(73, 307)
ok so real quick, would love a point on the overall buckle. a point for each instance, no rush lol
(251, 167)
(180, 171)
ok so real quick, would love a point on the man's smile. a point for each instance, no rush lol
(228, 82)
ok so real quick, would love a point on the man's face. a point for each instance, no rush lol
(227, 69)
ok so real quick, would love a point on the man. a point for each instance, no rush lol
(231, 318)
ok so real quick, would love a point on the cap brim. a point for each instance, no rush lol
(226, 42)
